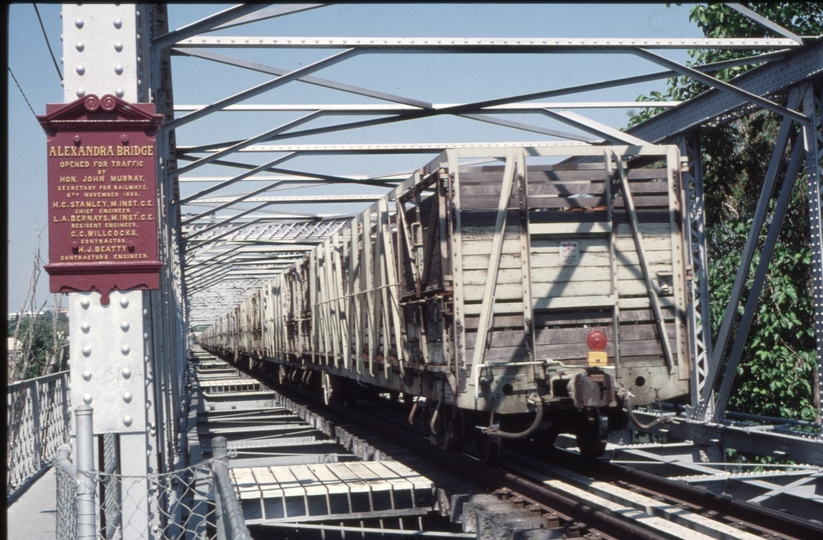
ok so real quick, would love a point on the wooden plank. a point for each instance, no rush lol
(643, 303)
(648, 201)
(570, 229)
(511, 246)
(502, 355)
(556, 174)
(491, 287)
(565, 274)
(642, 336)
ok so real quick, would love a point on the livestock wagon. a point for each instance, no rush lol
(522, 291)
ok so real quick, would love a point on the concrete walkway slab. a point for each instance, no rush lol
(33, 516)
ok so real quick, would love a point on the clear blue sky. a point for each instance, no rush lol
(434, 78)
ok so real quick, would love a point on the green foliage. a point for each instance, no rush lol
(776, 370)
(42, 340)
(720, 21)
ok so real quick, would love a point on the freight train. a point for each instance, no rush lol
(519, 291)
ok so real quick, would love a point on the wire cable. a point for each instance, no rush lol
(21, 91)
(43, 28)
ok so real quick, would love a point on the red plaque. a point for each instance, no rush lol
(102, 177)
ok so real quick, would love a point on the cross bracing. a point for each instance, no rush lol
(321, 135)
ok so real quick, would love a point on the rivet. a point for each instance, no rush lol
(118, 70)
(119, 93)
(118, 46)
(125, 349)
(125, 140)
(125, 326)
(146, 358)
(80, 46)
(78, 23)
(145, 312)
(118, 23)
(80, 92)
(85, 327)
(127, 420)
(145, 335)
(126, 372)
(127, 397)
(85, 303)
(87, 399)
(86, 351)
(87, 375)
(124, 302)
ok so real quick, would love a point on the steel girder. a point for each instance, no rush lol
(797, 64)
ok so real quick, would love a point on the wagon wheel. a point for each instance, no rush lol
(327, 388)
(488, 447)
(592, 438)
(453, 430)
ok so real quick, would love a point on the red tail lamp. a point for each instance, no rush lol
(597, 342)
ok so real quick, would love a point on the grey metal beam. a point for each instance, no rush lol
(796, 446)
(588, 125)
(527, 127)
(293, 199)
(264, 168)
(191, 234)
(428, 109)
(481, 44)
(371, 109)
(260, 88)
(798, 66)
(242, 144)
(198, 245)
(205, 25)
(766, 22)
(813, 139)
(719, 347)
(699, 312)
(378, 148)
(263, 68)
(759, 277)
(228, 203)
(723, 86)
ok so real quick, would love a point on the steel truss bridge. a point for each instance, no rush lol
(237, 206)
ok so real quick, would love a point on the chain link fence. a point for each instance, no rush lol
(197, 502)
(38, 421)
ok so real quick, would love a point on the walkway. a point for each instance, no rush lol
(33, 516)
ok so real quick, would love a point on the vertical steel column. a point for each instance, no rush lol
(689, 145)
(812, 103)
(104, 51)
(719, 348)
(86, 511)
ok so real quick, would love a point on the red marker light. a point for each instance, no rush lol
(597, 340)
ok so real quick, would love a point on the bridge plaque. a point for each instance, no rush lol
(102, 185)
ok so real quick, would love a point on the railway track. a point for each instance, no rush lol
(559, 491)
